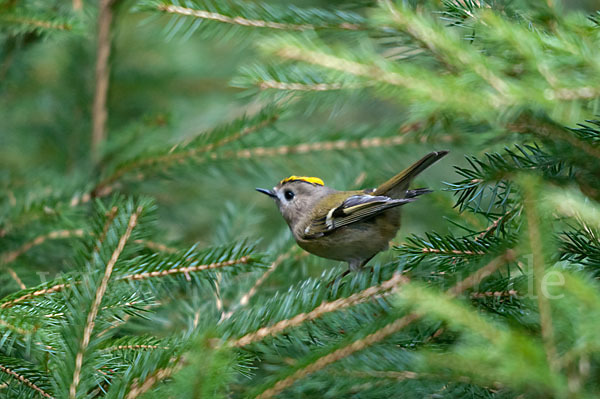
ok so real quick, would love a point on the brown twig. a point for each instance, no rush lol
(91, 319)
(16, 329)
(292, 86)
(550, 131)
(451, 251)
(156, 246)
(494, 294)
(306, 148)
(25, 381)
(36, 22)
(9, 257)
(137, 390)
(482, 273)
(45, 291)
(491, 228)
(16, 277)
(102, 75)
(255, 23)
(134, 347)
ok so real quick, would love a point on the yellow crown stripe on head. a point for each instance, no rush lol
(311, 180)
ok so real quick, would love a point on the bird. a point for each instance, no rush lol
(348, 226)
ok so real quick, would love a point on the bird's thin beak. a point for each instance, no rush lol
(270, 193)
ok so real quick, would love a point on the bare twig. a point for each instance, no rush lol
(99, 112)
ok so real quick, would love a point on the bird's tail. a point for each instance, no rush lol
(397, 186)
(416, 192)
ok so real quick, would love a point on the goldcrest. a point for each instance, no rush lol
(350, 226)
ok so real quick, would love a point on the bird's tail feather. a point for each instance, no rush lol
(398, 184)
(416, 192)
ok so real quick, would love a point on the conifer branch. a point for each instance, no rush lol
(320, 310)
(91, 319)
(492, 227)
(187, 269)
(106, 186)
(9, 257)
(308, 148)
(42, 292)
(135, 347)
(451, 252)
(34, 23)
(372, 72)
(289, 86)
(137, 276)
(551, 131)
(383, 332)
(25, 381)
(255, 23)
(494, 294)
(340, 354)
(303, 20)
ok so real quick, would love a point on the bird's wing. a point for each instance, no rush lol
(353, 209)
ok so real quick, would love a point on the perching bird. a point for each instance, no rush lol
(350, 226)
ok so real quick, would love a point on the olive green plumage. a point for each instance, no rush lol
(351, 226)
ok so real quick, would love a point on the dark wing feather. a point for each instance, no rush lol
(354, 209)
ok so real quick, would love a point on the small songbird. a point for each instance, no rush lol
(350, 226)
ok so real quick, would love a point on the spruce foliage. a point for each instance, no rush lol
(144, 265)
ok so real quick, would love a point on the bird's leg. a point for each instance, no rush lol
(341, 276)
(364, 262)
(353, 266)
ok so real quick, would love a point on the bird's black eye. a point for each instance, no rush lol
(289, 195)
